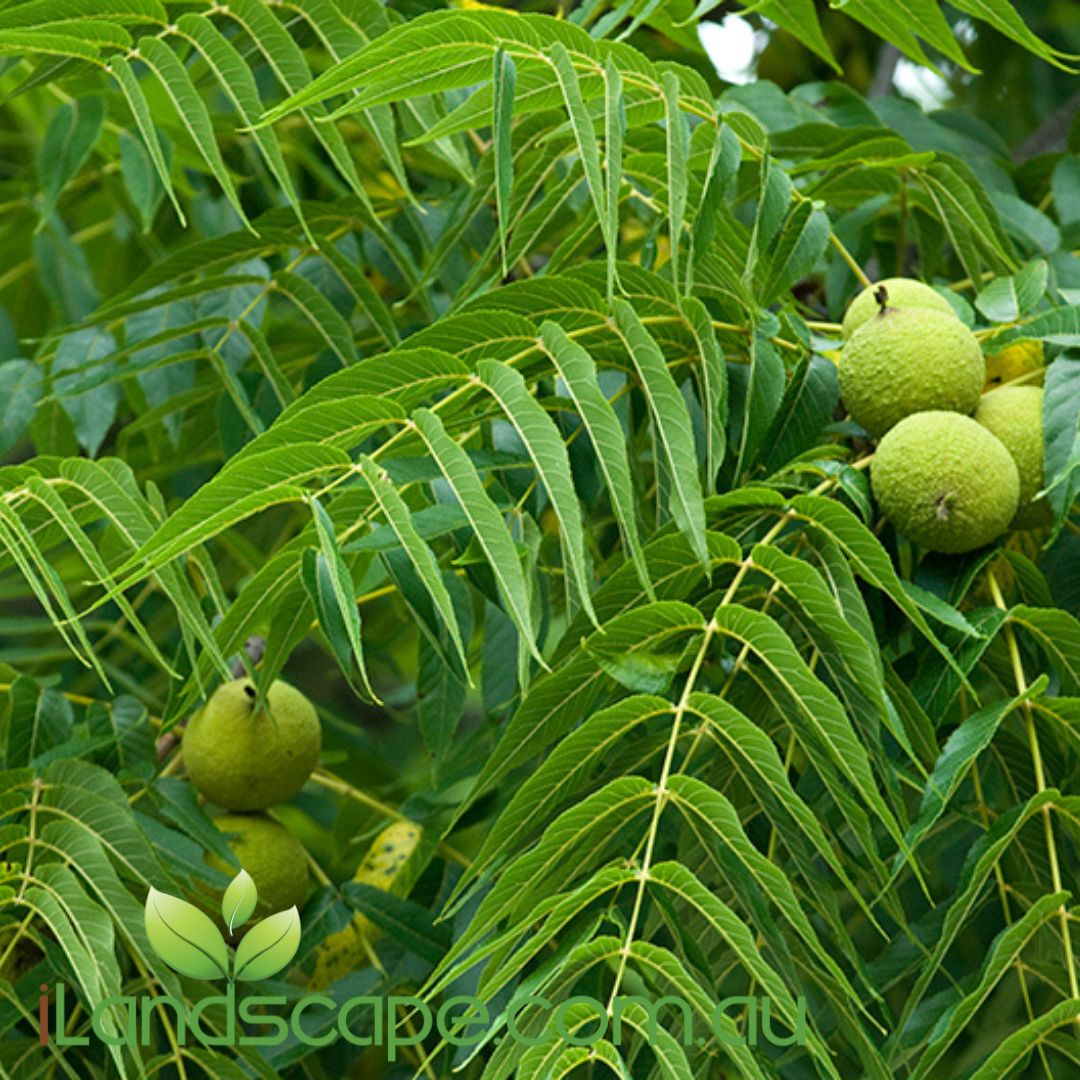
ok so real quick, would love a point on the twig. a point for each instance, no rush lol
(846, 255)
(1052, 134)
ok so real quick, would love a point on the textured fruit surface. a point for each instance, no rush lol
(271, 855)
(349, 949)
(902, 293)
(909, 360)
(945, 482)
(243, 759)
(1025, 360)
(1014, 415)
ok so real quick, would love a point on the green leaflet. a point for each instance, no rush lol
(614, 134)
(37, 721)
(922, 18)
(343, 423)
(408, 375)
(329, 584)
(672, 424)
(320, 313)
(43, 12)
(796, 251)
(400, 519)
(504, 79)
(677, 151)
(545, 445)
(719, 917)
(762, 399)
(714, 381)
(555, 858)
(562, 774)
(712, 817)
(1058, 635)
(487, 523)
(1017, 1046)
(754, 756)
(958, 755)
(558, 698)
(136, 100)
(191, 111)
(1003, 16)
(237, 492)
(1005, 299)
(829, 739)
(978, 864)
(236, 80)
(72, 133)
(724, 156)
(577, 369)
(1002, 953)
(584, 136)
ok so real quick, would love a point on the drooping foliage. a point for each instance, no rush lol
(481, 364)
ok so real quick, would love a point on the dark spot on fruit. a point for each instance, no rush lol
(941, 507)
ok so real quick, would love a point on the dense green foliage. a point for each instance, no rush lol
(475, 372)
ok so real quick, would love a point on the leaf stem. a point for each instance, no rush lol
(658, 809)
(665, 769)
(335, 783)
(1040, 780)
(846, 255)
(1003, 895)
(31, 840)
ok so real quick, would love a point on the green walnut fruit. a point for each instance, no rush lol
(241, 758)
(910, 360)
(1015, 415)
(899, 293)
(271, 855)
(945, 482)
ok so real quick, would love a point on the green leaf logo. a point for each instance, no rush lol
(268, 946)
(185, 938)
(239, 901)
